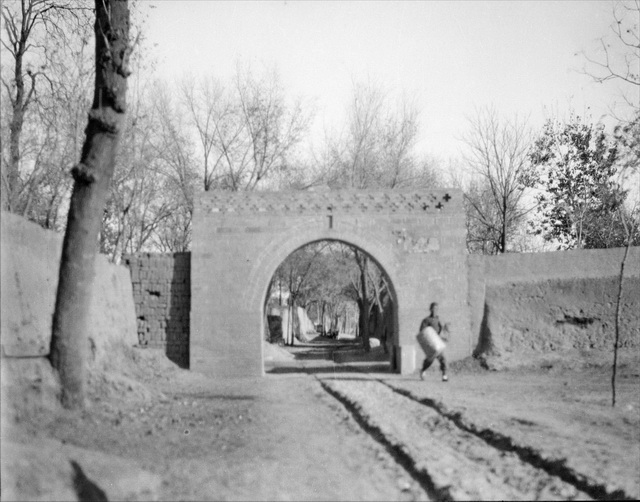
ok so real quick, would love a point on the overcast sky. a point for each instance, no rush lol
(449, 56)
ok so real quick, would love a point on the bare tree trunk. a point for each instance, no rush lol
(503, 237)
(14, 145)
(618, 301)
(92, 177)
(20, 104)
(289, 337)
(364, 313)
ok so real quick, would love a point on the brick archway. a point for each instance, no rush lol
(270, 258)
(240, 238)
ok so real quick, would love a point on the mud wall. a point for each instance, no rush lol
(553, 301)
(30, 259)
(162, 296)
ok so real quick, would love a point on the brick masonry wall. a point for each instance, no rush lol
(162, 297)
(553, 301)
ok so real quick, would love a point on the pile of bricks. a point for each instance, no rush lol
(162, 296)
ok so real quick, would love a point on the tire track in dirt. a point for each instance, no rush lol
(552, 466)
(398, 454)
(448, 461)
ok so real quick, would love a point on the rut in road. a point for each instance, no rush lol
(450, 463)
(553, 466)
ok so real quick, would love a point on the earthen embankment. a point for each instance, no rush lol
(30, 258)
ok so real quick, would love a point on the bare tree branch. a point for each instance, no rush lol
(497, 154)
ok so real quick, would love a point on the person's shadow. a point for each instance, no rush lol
(86, 490)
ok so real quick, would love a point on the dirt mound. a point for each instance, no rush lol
(127, 373)
(560, 360)
(76, 474)
(30, 386)
(37, 468)
(468, 365)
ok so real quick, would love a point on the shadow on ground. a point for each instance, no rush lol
(338, 368)
(323, 355)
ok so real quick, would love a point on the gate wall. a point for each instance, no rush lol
(239, 240)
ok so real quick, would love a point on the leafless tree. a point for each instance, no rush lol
(52, 134)
(617, 57)
(177, 166)
(366, 286)
(34, 30)
(483, 222)
(376, 149)
(151, 200)
(125, 226)
(92, 176)
(497, 155)
(247, 129)
(208, 108)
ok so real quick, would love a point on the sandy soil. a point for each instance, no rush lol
(316, 429)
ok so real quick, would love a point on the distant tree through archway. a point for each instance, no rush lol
(330, 288)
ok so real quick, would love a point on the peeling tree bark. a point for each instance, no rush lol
(92, 178)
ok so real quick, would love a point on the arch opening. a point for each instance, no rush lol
(329, 302)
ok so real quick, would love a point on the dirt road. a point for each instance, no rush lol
(316, 430)
(278, 438)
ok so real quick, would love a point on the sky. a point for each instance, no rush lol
(449, 57)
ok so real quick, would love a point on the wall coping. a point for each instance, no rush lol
(583, 263)
(333, 201)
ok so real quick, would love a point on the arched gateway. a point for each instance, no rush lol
(240, 239)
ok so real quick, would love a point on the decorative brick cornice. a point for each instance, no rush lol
(332, 202)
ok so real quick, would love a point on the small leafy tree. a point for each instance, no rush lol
(574, 164)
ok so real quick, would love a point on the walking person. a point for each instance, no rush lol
(431, 342)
